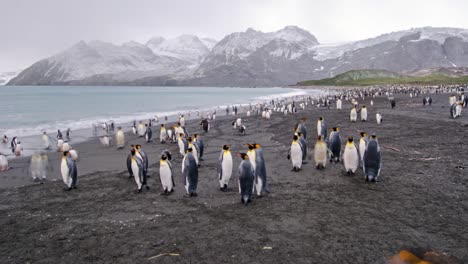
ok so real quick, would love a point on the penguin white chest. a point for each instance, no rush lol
(296, 155)
(227, 167)
(65, 171)
(362, 148)
(353, 115)
(320, 153)
(166, 175)
(364, 114)
(319, 128)
(252, 159)
(351, 158)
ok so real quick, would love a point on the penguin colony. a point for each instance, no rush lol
(363, 154)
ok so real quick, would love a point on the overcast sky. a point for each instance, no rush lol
(34, 29)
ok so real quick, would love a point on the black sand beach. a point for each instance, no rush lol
(310, 216)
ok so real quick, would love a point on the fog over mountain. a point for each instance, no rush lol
(249, 58)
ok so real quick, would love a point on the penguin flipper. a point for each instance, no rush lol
(220, 166)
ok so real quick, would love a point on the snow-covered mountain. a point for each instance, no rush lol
(250, 58)
(5, 77)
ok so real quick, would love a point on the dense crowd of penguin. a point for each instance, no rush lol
(252, 179)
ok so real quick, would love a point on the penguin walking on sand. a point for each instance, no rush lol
(458, 109)
(339, 104)
(144, 158)
(120, 138)
(350, 157)
(320, 153)
(141, 129)
(260, 171)
(3, 163)
(4, 139)
(205, 125)
(372, 162)
(183, 144)
(353, 114)
(363, 144)
(302, 141)
(69, 171)
(18, 149)
(129, 162)
(378, 117)
(166, 175)
(295, 154)
(246, 174)
(134, 128)
(14, 142)
(138, 171)
(105, 141)
(38, 166)
(321, 128)
(148, 134)
(363, 113)
(162, 134)
(195, 150)
(190, 173)
(224, 168)
(45, 141)
(201, 147)
(335, 145)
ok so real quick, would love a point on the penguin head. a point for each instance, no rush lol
(374, 136)
(162, 125)
(163, 157)
(226, 147)
(45, 133)
(189, 150)
(295, 138)
(319, 138)
(299, 134)
(243, 156)
(189, 139)
(251, 146)
(320, 118)
(350, 139)
(363, 106)
(65, 153)
(146, 125)
(132, 151)
(363, 134)
(178, 123)
(257, 146)
(335, 129)
(138, 146)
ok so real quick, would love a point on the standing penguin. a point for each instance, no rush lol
(144, 159)
(141, 129)
(458, 109)
(69, 171)
(353, 114)
(3, 163)
(138, 171)
(339, 104)
(18, 149)
(120, 138)
(378, 118)
(201, 147)
(129, 161)
(453, 112)
(166, 175)
(205, 125)
(320, 153)
(14, 142)
(252, 155)
(45, 141)
(372, 162)
(190, 173)
(246, 175)
(162, 134)
(363, 113)
(363, 144)
(195, 150)
(260, 171)
(183, 144)
(295, 154)
(302, 141)
(224, 168)
(134, 128)
(60, 145)
(350, 157)
(321, 128)
(148, 134)
(335, 145)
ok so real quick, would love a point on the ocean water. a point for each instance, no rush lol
(29, 110)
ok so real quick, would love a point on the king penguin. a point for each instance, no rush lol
(339, 104)
(335, 145)
(162, 134)
(350, 157)
(353, 114)
(363, 144)
(224, 167)
(183, 144)
(144, 159)
(260, 171)
(372, 160)
(45, 141)
(320, 153)
(120, 138)
(246, 175)
(141, 129)
(363, 113)
(321, 128)
(302, 128)
(378, 118)
(69, 171)
(295, 154)
(195, 150)
(190, 173)
(166, 175)
(129, 162)
(302, 141)
(148, 134)
(138, 171)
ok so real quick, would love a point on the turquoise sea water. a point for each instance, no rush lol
(29, 110)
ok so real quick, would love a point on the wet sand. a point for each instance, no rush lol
(309, 217)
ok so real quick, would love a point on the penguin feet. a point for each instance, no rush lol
(138, 191)
(200, 159)
(193, 194)
(304, 162)
(67, 189)
(147, 187)
(74, 187)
